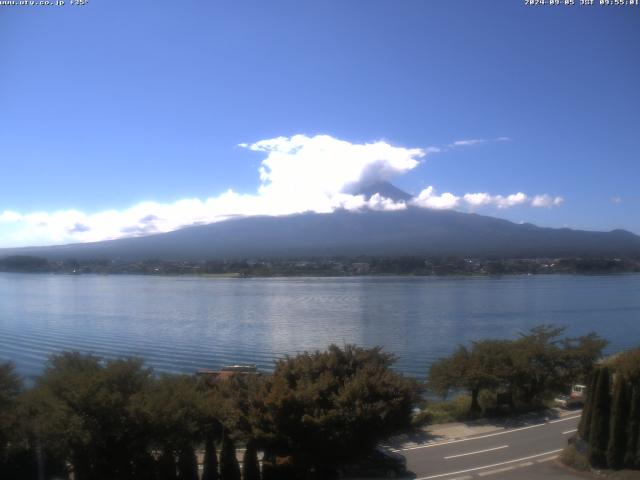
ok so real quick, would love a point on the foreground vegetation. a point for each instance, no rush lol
(504, 376)
(609, 431)
(92, 419)
(115, 420)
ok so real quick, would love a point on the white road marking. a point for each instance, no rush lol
(448, 442)
(479, 451)
(548, 459)
(570, 431)
(525, 464)
(490, 466)
(565, 419)
(493, 472)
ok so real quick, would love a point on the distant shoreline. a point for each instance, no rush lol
(328, 267)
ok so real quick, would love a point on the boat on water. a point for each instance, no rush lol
(229, 371)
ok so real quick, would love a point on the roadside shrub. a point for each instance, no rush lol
(574, 459)
(454, 410)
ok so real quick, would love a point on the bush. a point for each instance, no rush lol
(574, 459)
(454, 410)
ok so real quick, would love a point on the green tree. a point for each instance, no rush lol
(187, 464)
(599, 430)
(579, 356)
(210, 467)
(170, 411)
(85, 412)
(585, 421)
(618, 424)
(229, 467)
(628, 365)
(631, 459)
(167, 465)
(487, 364)
(251, 467)
(10, 388)
(324, 408)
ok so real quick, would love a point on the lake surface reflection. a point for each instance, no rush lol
(180, 324)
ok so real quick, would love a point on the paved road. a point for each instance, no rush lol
(525, 452)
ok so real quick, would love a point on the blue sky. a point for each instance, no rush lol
(122, 115)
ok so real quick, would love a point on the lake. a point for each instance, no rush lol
(180, 324)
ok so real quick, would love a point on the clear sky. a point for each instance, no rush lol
(125, 117)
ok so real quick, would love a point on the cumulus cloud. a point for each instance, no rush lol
(428, 199)
(471, 201)
(297, 174)
(546, 201)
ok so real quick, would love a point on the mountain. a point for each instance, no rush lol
(414, 231)
(385, 189)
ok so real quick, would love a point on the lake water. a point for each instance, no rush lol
(180, 324)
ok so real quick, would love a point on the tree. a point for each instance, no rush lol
(210, 467)
(167, 465)
(324, 408)
(631, 458)
(251, 467)
(170, 411)
(10, 388)
(528, 370)
(618, 424)
(229, 467)
(84, 412)
(579, 356)
(628, 365)
(187, 464)
(599, 429)
(585, 421)
(486, 365)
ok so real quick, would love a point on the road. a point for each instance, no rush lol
(525, 452)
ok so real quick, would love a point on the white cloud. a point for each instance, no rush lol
(467, 143)
(378, 202)
(298, 174)
(616, 199)
(9, 216)
(476, 141)
(510, 200)
(546, 201)
(428, 199)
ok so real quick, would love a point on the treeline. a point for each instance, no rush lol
(116, 420)
(609, 430)
(341, 266)
(516, 375)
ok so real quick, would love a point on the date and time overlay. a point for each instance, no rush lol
(529, 3)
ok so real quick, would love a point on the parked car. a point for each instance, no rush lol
(574, 399)
(381, 462)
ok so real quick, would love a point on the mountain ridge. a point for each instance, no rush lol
(413, 231)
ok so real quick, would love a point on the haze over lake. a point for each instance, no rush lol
(180, 324)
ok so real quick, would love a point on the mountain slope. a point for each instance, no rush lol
(413, 231)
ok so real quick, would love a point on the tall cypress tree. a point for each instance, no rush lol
(585, 421)
(229, 467)
(633, 435)
(167, 465)
(187, 464)
(251, 467)
(599, 429)
(210, 471)
(618, 424)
